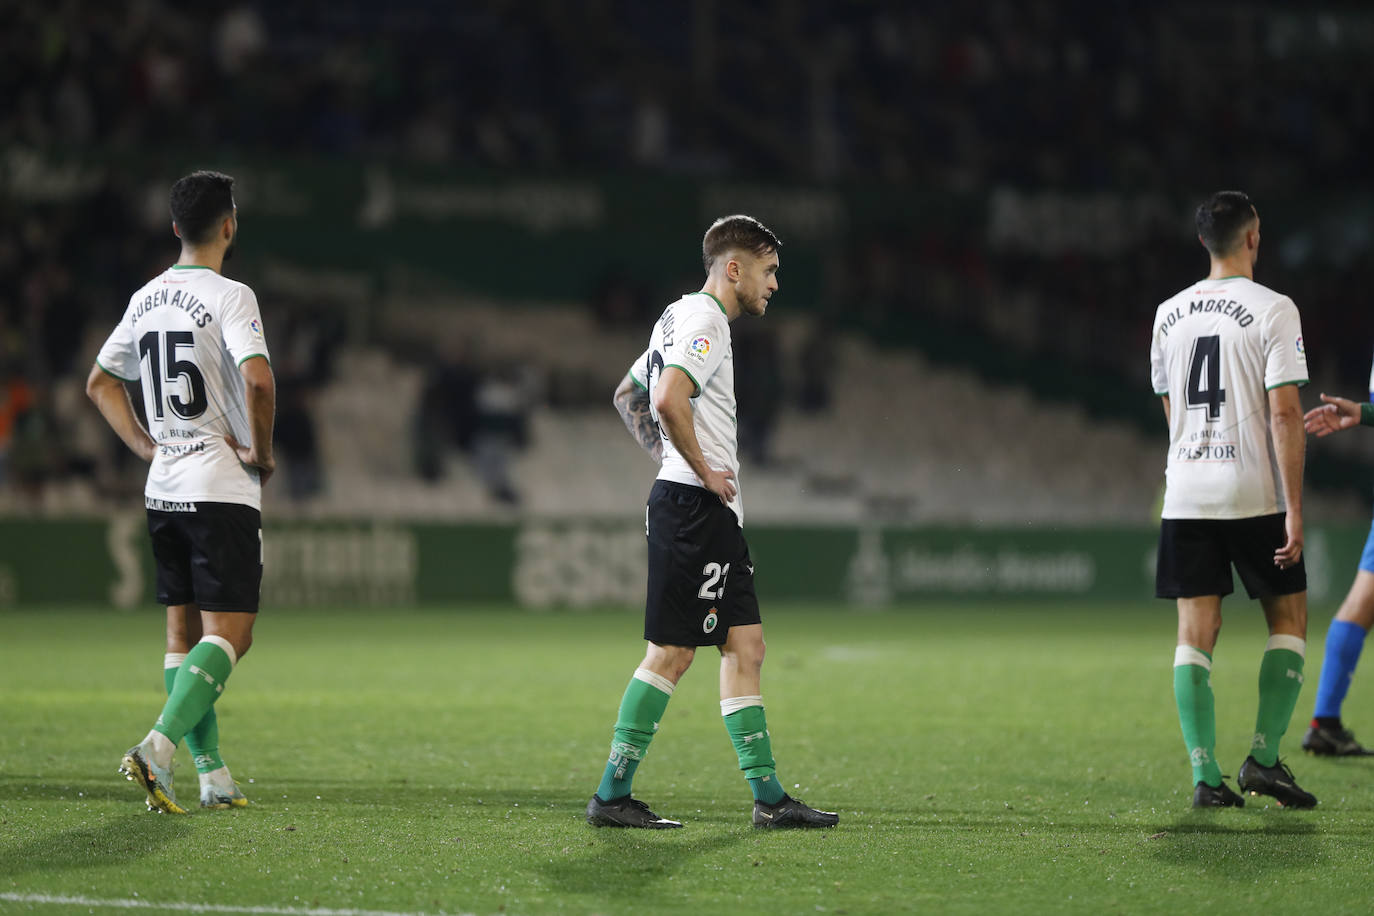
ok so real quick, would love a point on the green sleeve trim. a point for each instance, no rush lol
(638, 384)
(1297, 381)
(112, 375)
(1367, 414)
(252, 355)
(688, 374)
(1161, 394)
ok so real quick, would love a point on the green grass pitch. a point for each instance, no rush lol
(1025, 758)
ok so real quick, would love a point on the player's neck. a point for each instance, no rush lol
(1225, 268)
(202, 256)
(724, 293)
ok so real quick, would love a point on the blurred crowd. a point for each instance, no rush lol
(1083, 97)
(1095, 94)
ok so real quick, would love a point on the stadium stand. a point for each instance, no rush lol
(1049, 117)
(970, 452)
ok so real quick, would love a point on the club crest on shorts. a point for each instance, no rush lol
(710, 622)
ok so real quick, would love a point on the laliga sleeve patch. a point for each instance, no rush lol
(699, 349)
(1301, 352)
(255, 325)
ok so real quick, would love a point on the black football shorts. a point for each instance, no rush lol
(1196, 556)
(208, 554)
(701, 580)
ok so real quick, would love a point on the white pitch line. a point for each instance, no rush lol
(139, 904)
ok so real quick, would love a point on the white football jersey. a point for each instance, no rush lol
(183, 336)
(1219, 346)
(693, 334)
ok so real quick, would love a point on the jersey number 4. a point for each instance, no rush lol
(152, 346)
(1204, 376)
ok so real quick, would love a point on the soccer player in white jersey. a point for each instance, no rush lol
(194, 338)
(678, 401)
(1327, 735)
(1227, 359)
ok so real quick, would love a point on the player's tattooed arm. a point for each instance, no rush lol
(633, 403)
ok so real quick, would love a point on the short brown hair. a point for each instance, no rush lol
(737, 232)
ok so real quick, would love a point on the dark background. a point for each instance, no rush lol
(1001, 186)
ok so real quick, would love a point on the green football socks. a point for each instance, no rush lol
(198, 683)
(1197, 712)
(203, 739)
(1280, 682)
(641, 709)
(748, 729)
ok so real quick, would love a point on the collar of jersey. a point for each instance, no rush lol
(716, 301)
(189, 267)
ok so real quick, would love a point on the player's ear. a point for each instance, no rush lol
(732, 269)
(176, 230)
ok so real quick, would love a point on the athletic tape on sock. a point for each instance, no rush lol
(173, 659)
(161, 746)
(735, 704)
(1291, 643)
(1187, 655)
(218, 777)
(224, 644)
(654, 680)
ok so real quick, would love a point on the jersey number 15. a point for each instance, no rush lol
(153, 346)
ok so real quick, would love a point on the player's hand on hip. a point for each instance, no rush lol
(265, 464)
(1291, 552)
(1334, 415)
(721, 483)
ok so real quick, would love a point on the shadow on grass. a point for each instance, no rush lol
(22, 787)
(402, 793)
(618, 859)
(114, 841)
(425, 796)
(1276, 841)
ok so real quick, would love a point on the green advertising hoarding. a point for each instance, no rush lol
(571, 564)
